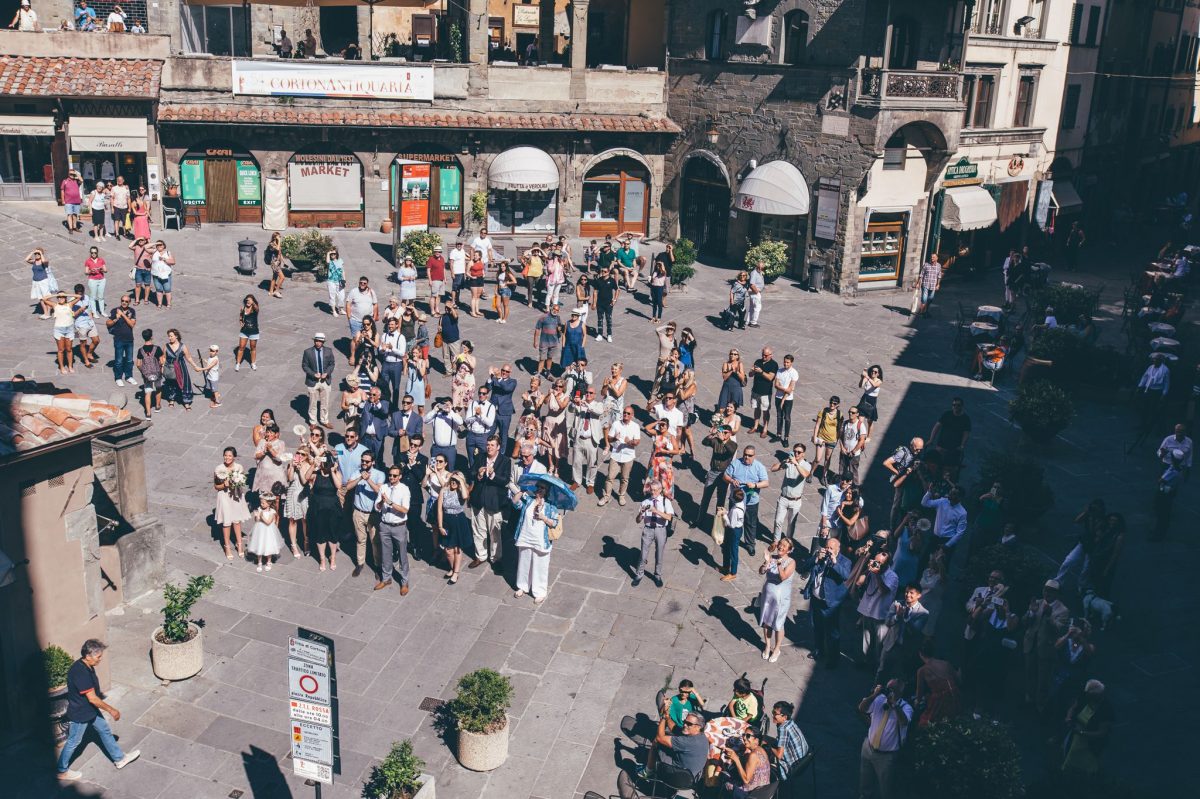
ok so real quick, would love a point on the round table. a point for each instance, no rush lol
(991, 312)
(1161, 329)
(1164, 344)
(1169, 357)
(720, 730)
(980, 329)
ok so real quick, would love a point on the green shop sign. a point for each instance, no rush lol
(249, 184)
(963, 170)
(191, 181)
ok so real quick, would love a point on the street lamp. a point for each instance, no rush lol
(371, 26)
(711, 133)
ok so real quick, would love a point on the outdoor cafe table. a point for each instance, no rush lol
(989, 312)
(1162, 343)
(981, 329)
(1161, 329)
(720, 730)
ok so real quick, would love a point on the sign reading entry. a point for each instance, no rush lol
(375, 82)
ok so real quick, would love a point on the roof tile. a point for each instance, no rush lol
(28, 421)
(36, 76)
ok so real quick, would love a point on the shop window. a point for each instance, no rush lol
(1071, 106)
(979, 92)
(215, 30)
(614, 198)
(989, 17)
(1026, 91)
(795, 37)
(882, 248)
(714, 48)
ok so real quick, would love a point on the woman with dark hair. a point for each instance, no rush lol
(177, 382)
(750, 768)
(453, 523)
(365, 339)
(870, 381)
(248, 335)
(259, 431)
(324, 510)
(271, 456)
(938, 687)
(274, 259)
(229, 480)
(660, 280)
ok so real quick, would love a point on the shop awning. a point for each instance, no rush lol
(107, 134)
(523, 169)
(1066, 199)
(968, 208)
(19, 125)
(775, 188)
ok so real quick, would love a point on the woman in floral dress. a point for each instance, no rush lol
(664, 449)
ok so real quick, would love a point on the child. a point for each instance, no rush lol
(735, 518)
(212, 376)
(591, 257)
(744, 704)
(265, 540)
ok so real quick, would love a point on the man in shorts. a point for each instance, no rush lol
(762, 386)
(72, 199)
(825, 437)
(547, 338)
(435, 270)
(458, 270)
(361, 301)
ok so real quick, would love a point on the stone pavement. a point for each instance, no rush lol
(597, 649)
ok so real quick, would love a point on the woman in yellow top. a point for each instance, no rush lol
(534, 267)
(824, 436)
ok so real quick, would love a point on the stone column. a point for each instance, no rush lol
(141, 540)
(579, 34)
(477, 47)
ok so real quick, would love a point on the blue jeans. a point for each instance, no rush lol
(122, 359)
(729, 548)
(95, 292)
(75, 738)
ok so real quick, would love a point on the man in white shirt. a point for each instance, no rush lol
(668, 410)
(458, 270)
(878, 584)
(588, 433)
(622, 437)
(480, 423)
(1176, 441)
(444, 424)
(26, 19)
(361, 301)
(785, 387)
(392, 504)
(757, 285)
(120, 204)
(950, 523)
(851, 442)
(889, 716)
(392, 355)
(483, 245)
(655, 515)
(791, 494)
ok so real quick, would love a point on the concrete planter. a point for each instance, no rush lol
(428, 789)
(177, 661)
(483, 751)
(57, 699)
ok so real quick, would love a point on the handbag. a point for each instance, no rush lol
(428, 390)
(916, 299)
(718, 531)
(437, 340)
(53, 281)
(132, 272)
(554, 533)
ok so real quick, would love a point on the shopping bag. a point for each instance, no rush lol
(718, 532)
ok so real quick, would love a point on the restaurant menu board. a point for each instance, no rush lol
(191, 181)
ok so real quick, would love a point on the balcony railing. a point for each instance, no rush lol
(893, 88)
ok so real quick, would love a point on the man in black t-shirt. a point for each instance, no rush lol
(120, 323)
(950, 434)
(85, 701)
(605, 291)
(761, 390)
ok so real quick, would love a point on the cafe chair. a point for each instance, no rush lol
(593, 795)
(807, 763)
(678, 782)
(768, 791)
(629, 726)
(171, 216)
(626, 789)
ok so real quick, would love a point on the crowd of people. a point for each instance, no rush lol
(84, 19)
(455, 461)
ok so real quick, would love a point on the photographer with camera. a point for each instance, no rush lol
(791, 494)
(902, 463)
(889, 717)
(878, 585)
(445, 424)
(828, 570)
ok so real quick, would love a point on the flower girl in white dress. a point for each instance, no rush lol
(265, 540)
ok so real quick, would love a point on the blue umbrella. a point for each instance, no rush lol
(558, 493)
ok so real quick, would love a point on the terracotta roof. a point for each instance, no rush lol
(31, 76)
(271, 115)
(29, 421)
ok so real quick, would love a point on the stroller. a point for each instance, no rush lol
(731, 317)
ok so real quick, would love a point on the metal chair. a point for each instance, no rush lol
(806, 763)
(592, 795)
(629, 726)
(679, 781)
(768, 791)
(626, 789)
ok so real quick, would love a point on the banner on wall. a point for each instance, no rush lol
(449, 188)
(335, 79)
(249, 183)
(325, 183)
(191, 181)
(414, 197)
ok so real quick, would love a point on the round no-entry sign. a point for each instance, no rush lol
(309, 684)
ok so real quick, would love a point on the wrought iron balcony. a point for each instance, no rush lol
(909, 89)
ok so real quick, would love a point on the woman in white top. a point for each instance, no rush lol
(116, 20)
(97, 201)
(612, 394)
(406, 276)
(870, 381)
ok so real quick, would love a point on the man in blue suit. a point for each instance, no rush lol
(374, 423)
(502, 384)
(404, 424)
(828, 569)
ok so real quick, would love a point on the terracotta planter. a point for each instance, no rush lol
(483, 751)
(386, 225)
(177, 661)
(57, 700)
(428, 789)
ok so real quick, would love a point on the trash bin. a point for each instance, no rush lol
(816, 276)
(247, 257)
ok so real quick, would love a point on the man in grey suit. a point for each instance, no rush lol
(317, 363)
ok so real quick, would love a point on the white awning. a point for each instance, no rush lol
(775, 188)
(107, 134)
(20, 125)
(1065, 197)
(968, 208)
(523, 169)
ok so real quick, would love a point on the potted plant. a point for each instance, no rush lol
(418, 245)
(171, 186)
(177, 647)
(56, 663)
(307, 251)
(966, 757)
(685, 255)
(480, 712)
(772, 254)
(1042, 409)
(1027, 495)
(398, 776)
(479, 200)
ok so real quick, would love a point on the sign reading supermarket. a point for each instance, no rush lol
(374, 82)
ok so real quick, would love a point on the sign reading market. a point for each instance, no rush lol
(375, 82)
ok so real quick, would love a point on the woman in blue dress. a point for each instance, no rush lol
(775, 601)
(415, 388)
(574, 335)
(733, 379)
(687, 348)
(177, 380)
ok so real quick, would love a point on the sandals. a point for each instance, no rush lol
(228, 553)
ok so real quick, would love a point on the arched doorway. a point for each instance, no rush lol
(325, 189)
(616, 198)
(223, 181)
(445, 183)
(704, 205)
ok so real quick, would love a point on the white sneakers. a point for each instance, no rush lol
(599, 337)
(120, 382)
(70, 776)
(129, 758)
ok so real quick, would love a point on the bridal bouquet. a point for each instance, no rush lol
(234, 479)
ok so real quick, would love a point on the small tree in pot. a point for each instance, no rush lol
(56, 662)
(1042, 409)
(480, 711)
(417, 245)
(399, 776)
(177, 647)
(685, 255)
(772, 254)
